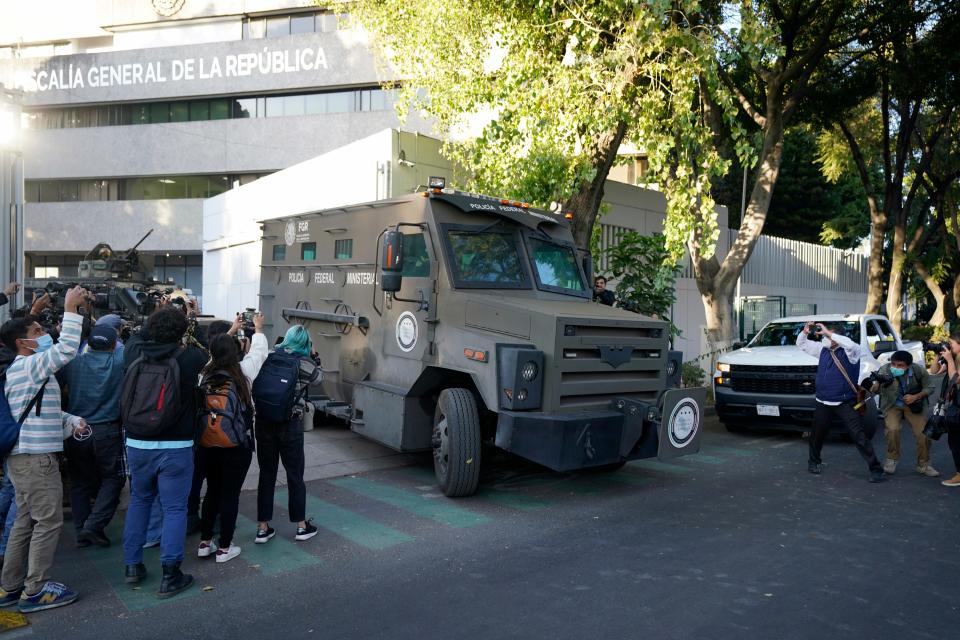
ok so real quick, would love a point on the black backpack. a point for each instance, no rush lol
(275, 389)
(151, 401)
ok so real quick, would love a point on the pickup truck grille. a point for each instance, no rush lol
(796, 380)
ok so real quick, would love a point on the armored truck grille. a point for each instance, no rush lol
(795, 380)
(588, 380)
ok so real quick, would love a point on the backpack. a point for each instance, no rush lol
(275, 389)
(224, 421)
(151, 401)
(10, 428)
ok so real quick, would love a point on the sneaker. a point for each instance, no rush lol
(307, 532)
(928, 470)
(815, 468)
(877, 476)
(51, 596)
(889, 466)
(264, 535)
(228, 554)
(9, 598)
(952, 482)
(151, 543)
(135, 573)
(93, 537)
(206, 549)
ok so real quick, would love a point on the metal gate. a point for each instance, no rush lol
(801, 309)
(756, 311)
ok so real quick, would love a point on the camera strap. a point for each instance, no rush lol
(856, 390)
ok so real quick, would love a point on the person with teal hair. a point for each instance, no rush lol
(278, 441)
(297, 341)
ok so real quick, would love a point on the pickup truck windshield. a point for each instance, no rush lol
(780, 334)
(487, 259)
(556, 266)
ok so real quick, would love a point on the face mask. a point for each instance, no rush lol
(896, 373)
(44, 342)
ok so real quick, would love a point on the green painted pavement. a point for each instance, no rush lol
(347, 524)
(109, 563)
(439, 510)
(733, 451)
(706, 459)
(504, 497)
(280, 555)
(655, 465)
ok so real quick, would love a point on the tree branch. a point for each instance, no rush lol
(745, 103)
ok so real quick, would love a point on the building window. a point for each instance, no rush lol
(146, 188)
(272, 106)
(308, 251)
(343, 249)
(46, 272)
(292, 24)
(279, 252)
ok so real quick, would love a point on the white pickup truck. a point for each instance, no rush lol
(770, 382)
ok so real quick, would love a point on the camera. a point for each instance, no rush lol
(883, 379)
(936, 347)
(247, 322)
(937, 424)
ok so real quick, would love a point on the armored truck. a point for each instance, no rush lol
(448, 320)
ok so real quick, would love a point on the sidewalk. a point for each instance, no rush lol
(332, 450)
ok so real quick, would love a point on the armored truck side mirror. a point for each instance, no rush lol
(391, 262)
(587, 262)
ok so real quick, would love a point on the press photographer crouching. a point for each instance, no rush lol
(903, 388)
(946, 416)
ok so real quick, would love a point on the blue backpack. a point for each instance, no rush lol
(10, 428)
(275, 389)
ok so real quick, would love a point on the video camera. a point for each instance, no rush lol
(937, 348)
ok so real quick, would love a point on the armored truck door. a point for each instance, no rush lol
(409, 314)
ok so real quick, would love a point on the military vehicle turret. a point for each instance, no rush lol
(446, 320)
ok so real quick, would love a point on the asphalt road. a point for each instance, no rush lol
(737, 542)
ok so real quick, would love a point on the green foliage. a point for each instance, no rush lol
(531, 96)
(645, 276)
(924, 333)
(692, 375)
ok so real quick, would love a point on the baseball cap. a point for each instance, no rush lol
(102, 337)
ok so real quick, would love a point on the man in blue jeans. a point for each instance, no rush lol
(161, 463)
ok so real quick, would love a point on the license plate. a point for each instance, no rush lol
(768, 410)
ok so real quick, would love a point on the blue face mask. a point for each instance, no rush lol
(897, 372)
(44, 342)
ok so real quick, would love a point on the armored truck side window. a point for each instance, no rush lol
(556, 267)
(343, 249)
(279, 252)
(416, 260)
(486, 259)
(308, 251)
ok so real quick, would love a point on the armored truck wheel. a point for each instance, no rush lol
(456, 443)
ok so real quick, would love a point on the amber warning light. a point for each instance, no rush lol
(474, 354)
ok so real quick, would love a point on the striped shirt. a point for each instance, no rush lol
(46, 432)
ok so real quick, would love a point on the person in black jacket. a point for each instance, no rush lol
(163, 463)
(600, 292)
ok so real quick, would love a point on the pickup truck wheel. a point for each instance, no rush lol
(456, 443)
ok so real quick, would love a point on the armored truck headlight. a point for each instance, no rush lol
(521, 395)
(723, 367)
(529, 371)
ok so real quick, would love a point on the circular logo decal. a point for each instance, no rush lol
(167, 8)
(684, 423)
(407, 331)
(290, 234)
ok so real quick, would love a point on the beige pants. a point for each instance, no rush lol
(36, 531)
(892, 421)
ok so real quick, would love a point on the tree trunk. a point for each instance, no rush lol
(895, 283)
(585, 203)
(878, 233)
(940, 314)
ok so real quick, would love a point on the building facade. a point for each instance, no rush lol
(135, 111)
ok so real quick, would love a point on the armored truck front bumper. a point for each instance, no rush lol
(627, 430)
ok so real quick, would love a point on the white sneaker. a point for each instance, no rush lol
(206, 549)
(889, 466)
(225, 555)
(928, 471)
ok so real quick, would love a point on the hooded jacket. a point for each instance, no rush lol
(191, 362)
(94, 380)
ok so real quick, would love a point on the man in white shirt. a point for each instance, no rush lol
(838, 371)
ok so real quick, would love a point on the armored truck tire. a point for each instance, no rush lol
(456, 443)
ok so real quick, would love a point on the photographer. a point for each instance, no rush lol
(949, 363)
(903, 387)
(837, 393)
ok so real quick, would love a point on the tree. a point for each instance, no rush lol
(902, 63)
(560, 87)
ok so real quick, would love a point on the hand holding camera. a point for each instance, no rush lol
(75, 297)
